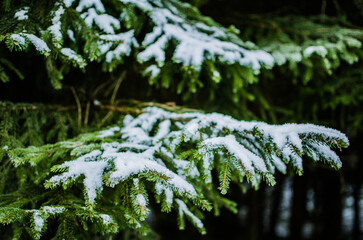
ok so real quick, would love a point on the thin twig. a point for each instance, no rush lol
(120, 109)
(115, 90)
(105, 118)
(86, 115)
(79, 108)
(98, 88)
(323, 7)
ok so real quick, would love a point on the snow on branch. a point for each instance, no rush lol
(176, 154)
(196, 41)
(148, 32)
(55, 28)
(22, 14)
(257, 149)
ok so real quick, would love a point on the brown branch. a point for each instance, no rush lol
(105, 118)
(115, 90)
(86, 115)
(120, 109)
(79, 108)
(98, 88)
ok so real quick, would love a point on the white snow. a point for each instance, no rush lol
(159, 188)
(324, 151)
(319, 50)
(143, 4)
(97, 103)
(106, 219)
(289, 154)
(183, 210)
(70, 34)
(72, 55)
(68, 3)
(152, 70)
(207, 162)
(194, 44)
(84, 4)
(109, 132)
(183, 165)
(38, 220)
(124, 43)
(38, 43)
(155, 50)
(122, 49)
(53, 210)
(105, 22)
(249, 160)
(154, 134)
(120, 37)
(88, 166)
(55, 28)
(128, 164)
(22, 14)
(140, 200)
(18, 38)
(164, 129)
(40, 216)
(136, 183)
(280, 165)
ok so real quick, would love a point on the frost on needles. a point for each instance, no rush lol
(171, 156)
(173, 32)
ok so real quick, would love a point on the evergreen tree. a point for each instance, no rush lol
(85, 163)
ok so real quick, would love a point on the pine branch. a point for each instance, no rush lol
(158, 153)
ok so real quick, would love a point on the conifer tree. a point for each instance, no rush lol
(97, 167)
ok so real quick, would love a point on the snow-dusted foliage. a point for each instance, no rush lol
(196, 41)
(303, 43)
(109, 178)
(172, 32)
(176, 153)
(22, 14)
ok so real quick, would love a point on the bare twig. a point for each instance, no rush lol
(86, 115)
(120, 109)
(104, 119)
(79, 108)
(118, 83)
(104, 84)
(323, 7)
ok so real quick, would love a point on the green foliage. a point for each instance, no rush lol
(34, 124)
(68, 35)
(6, 64)
(62, 178)
(107, 180)
(313, 56)
(308, 47)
